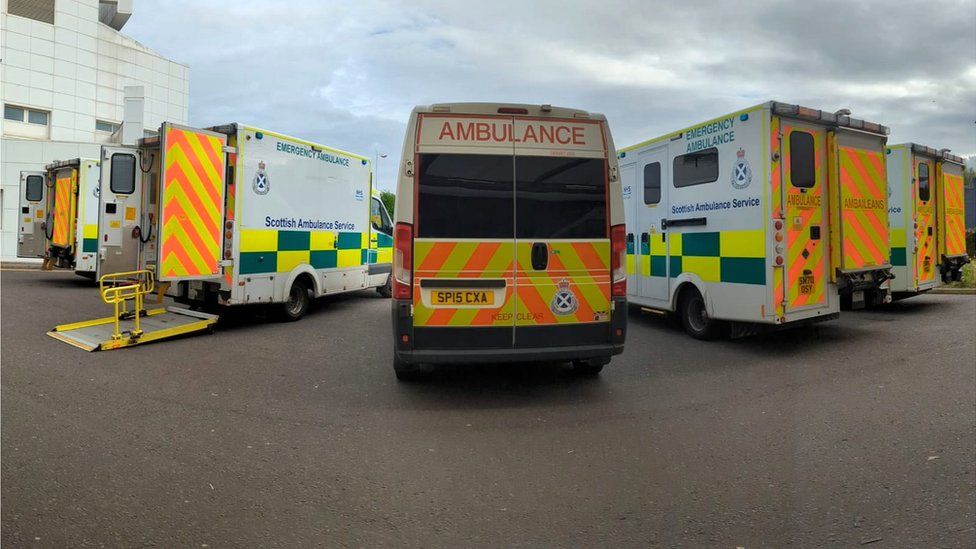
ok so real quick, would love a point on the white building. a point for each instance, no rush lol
(64, 74)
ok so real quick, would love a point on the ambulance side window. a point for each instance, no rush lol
(35, 188)
(652, 183)
(803, 172)
(380, 219)
(123, 179)
(924, 192)
(696, 168)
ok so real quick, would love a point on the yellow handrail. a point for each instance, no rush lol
(118, 288)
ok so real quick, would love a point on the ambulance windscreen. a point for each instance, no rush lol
(560, 197)
(465, 196)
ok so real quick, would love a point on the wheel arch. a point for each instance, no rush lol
(303, 270)
(686, 281)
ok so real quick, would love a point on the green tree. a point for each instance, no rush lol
(388, 199)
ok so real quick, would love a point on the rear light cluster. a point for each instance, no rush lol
(402, 260)
(618, 261)
(778, 237)
(228, 239)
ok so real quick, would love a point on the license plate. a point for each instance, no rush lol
(806, 284)
(462, 297)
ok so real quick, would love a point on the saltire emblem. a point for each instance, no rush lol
(564, 301)
(262, 184)
(741, 171)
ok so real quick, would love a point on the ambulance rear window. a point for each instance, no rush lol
(123, 180)
(560, 197)
(465, 196)
(35, 188)
(696, 168)
(924, 192)
(803, 173)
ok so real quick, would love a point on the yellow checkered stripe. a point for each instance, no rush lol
(278, 251)
(722, 256)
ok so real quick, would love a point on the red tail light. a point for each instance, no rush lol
(403, 261)
(618, 261)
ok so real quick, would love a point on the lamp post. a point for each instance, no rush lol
(376, 165)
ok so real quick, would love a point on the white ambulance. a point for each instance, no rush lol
(509, 241)
(235, 215)
(927, 216)
(761, 217)
(59, 215)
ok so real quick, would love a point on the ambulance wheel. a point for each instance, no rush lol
(590, 367)
(956, 275)
(694, 316)
(406, 371)
(297, 303)
(386, 290)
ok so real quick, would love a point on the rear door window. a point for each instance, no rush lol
(465, 196)
(803, 171)
(924, 192)
(123, 179)
(560, 197)
(35, 188)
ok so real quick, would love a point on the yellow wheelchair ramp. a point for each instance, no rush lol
(154, 325)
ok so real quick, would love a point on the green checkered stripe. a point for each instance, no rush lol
(721, 256)
(323, 250)
(899, 257)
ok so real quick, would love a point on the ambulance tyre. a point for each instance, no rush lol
(694, 316)
(297, 302)
(956, 275)
(386, 290)
(590, 367)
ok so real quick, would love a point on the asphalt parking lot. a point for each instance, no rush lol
(858, 431)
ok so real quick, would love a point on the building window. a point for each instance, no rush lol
(107, 127)
(38, 10)
(21, 114)
(695, 168)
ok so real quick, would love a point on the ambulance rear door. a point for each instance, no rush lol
(30, 237)
(562, 233)
(926, 221)
(464, 229)
(859, 241)
(804, 153)
(64, 208)
(119, 201)
(952, 214)
(191, 204)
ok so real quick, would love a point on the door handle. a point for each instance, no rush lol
(814, 232)
(540, 256)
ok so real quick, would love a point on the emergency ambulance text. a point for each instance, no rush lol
(710, 135)
(312, 153)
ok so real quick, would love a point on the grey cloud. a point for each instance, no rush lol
(347, 73)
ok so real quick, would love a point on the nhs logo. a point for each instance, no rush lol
(360, 195)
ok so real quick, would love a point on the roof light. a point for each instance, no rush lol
(441, 108)
(512, 110)
(844, 112)
(546, 108)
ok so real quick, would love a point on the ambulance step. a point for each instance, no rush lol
(157, 324)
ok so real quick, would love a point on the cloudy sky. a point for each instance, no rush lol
(347, 73)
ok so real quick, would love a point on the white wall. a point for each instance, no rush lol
(76, 69)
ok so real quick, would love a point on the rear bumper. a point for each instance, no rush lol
(495, 344)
